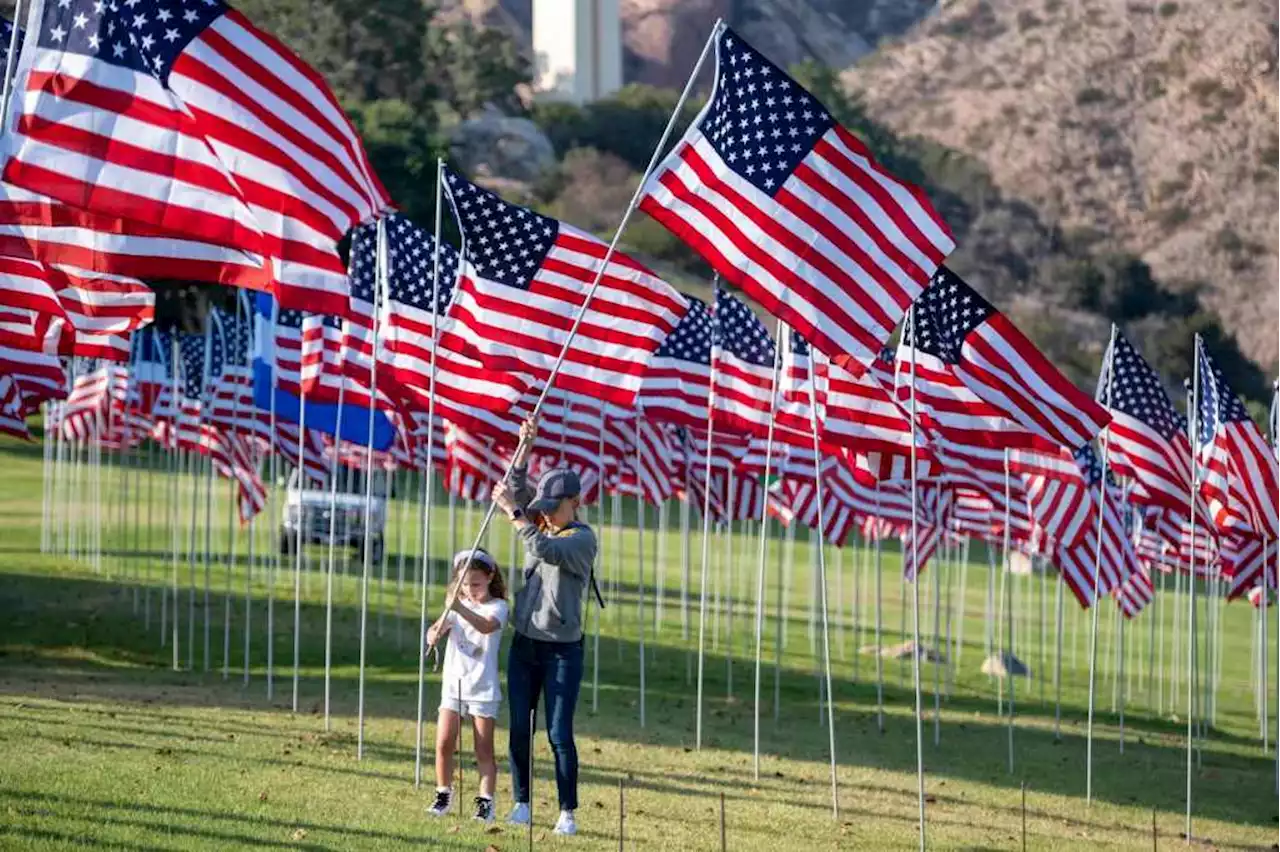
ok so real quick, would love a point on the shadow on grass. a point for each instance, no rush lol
(77, 639)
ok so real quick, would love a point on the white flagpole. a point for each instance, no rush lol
(175, 515)
(599, 564)
(1057, 667)
(328, 581)
(46, 494)
(406, 479)
(1193, 420)
(379, 291)
(1109, 367)
(822, 580)
(640, 617)
(725, 601)
(686, 509)
(300, 543)
(233, 518)
(1006, 588)
(274, 570)
(915, 587)
(706, 524)
(248, 585)
(137, 541)
(206, 403)
(604, 263)
(429, 483)
(388, 474)
(780, 602)
(660, 567)
(879, 646)
(764, 546)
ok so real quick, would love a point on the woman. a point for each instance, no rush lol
(546, 652)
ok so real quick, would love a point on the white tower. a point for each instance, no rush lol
(577, 48)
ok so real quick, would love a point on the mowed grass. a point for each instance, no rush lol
(106, 746)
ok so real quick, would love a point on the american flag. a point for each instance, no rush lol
(230, 137)
(323, 361)
(316, 464)
(1238, 467)
(36, 227)
(1118, 559)
(743, 371)
(791, 207)
(13, 420)
(31, 315)
(84, 414)
(677, 384)
(522, 280)
(463, 387)
(981, 381)
(233, 407)
(1057, 491)
(860, 413)
(1244, 558)
(286, 333)
(798, 501)
(1135, 593)
(1147, 434)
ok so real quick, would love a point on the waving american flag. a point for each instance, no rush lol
(792, 208)
(522, 281)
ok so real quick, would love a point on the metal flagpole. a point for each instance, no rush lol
(764, 546)
(937, 642)
(232, 532)
(428, 488)
(328, 580)
(1109, 367)
(299, 541)
(151, 480)
(175, 515)
(206, 403)
(730, 511)
(706, 521)
(640, 617)
(1006, 601)
(604, 262)
(379, 294)
(660, 567)
(686, 509)
(1193, 421)
(1057, 667)
(46, 477)
(248, 586)
(597, 566)
(274, 570)
(859, 621)
(388, 474)
(915, 587)
(822, 581)
(964, 591)
(879, 646)
(405, 480)
(780, 628)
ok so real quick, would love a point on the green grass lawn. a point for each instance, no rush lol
(106, 746)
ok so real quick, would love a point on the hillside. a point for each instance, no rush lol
(1149, 126)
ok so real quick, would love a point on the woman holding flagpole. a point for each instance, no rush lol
(546, 653)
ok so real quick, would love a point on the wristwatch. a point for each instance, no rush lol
(516, 514)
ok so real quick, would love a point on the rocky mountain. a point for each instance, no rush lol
(1146, 126)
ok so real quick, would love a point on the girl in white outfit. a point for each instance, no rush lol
(474, 627)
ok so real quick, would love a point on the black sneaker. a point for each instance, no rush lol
(443, 803)
(484, 810)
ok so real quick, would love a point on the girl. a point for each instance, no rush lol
(474, 626)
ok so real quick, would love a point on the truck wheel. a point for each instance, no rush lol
(287, 542)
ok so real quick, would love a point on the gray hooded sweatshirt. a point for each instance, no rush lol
(557, 574)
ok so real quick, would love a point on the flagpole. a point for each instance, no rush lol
(596, 566)
(879, 646)
(1193, 419)
(379, 289)
(764, 545)
(46, 472)
(232, 513)
(175, 514)
(401, 522)
(429, 477)
(640, 617)
(274, 446)
(328, 582)
(725, 601)
(1006, 602)
(706, 512)
(604, 263)
(822, 579)
(659, 566)
(1057, 667)
(137, 543)
(686, 509)
(915, 586)
(299, 542)
(1109, 367)
(248, 583)
(784, 554)
(386, 509)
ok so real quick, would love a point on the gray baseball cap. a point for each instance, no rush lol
(557, 484)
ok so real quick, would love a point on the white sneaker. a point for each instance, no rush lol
(519, 814)
(566, 824)
(442, 804)
(484, 810)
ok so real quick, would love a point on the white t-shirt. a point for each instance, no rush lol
(471, 658)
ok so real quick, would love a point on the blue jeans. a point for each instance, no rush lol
(553, 669)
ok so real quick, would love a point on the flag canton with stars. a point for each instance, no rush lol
(799, 346)
(739, 332)
(289, 318)
(146, 36)
(944, 315)
(1135, 390)
(505, 243)
(1091, 467)
(1218, 404)
(690, 340)
(191, 351)
(760, 121)
(411, 257)
(235, 339)
(6, 35)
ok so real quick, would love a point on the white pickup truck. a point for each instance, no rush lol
(346, 521)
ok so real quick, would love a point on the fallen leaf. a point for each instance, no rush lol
(931, 800)
(453, 829)
(299, 833)
(262, 797)
(491, 848)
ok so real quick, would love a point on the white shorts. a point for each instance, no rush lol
(480, 709)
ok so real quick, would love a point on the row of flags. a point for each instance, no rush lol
(157, 141)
